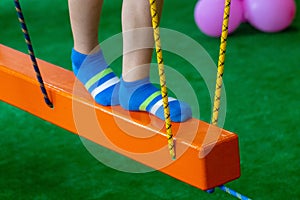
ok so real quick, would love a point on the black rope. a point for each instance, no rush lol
(31, 53)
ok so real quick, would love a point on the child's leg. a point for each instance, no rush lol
(136, 15)
(88, 61)
(85, 17)
(136, 92)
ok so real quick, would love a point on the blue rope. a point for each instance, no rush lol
(229, 191)
(233, 193)
(31, 53)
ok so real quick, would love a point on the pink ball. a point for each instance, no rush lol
(270, 15)
(208, 16)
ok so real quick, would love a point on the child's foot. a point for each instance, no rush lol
(97, 77)
(142, 95)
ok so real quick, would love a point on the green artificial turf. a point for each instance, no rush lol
(41, 161)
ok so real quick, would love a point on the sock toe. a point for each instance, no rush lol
(144, 96)
(179, 111)
(109, 97)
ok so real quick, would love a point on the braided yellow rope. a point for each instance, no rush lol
(162, 77)
(219, 83)
(221, 62)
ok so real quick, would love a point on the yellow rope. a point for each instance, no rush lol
(162, 77)
(221, 62)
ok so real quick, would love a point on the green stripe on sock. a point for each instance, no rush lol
(97, 77)
(144, 105)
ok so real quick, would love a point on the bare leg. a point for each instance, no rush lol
(85, 17)
(135, 15)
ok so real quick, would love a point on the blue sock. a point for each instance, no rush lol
(142, 95)
(97, 77)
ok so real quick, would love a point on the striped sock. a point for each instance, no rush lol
(142, 95)
(97, 77)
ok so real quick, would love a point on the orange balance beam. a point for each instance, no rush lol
(207, 156)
